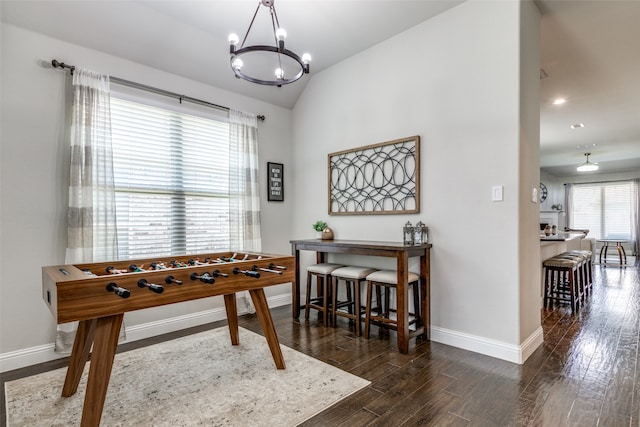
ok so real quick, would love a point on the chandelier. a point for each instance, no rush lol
(266, 64)
(587, 166)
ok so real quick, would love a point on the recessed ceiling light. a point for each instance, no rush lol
(577, 126)
(559, 101)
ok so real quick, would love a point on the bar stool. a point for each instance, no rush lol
(560, 282)
(581, 275)
(587, 269)
(352, 278)
(322, 273)
(388, 279)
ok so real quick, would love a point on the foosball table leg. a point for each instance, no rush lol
(104, 351)
(268, 328)
(232, 317)
(79, 356)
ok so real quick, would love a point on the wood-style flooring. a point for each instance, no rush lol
(585, 374)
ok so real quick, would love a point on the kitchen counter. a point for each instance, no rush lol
(561, 237)
(556, 244)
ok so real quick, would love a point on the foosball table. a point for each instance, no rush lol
(98, 294)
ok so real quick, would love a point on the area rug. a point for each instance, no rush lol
(199, 379)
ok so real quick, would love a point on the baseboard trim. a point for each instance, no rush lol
(498, 349)
(45, 353)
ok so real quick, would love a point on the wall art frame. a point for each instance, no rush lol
(378, 179)
(275, 182)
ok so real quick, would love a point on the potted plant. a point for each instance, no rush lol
(319, 226)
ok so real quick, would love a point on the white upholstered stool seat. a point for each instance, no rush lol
(352, 278)
(325, 268)
(390, 276)
(388, 279)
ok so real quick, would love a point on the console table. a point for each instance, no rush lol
(396, 250)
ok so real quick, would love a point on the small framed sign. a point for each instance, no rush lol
(275, 182)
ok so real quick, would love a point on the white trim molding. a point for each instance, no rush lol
(501, 350)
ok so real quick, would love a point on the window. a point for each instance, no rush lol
(606, 209)
(171, 178)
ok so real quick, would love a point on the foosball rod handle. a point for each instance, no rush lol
(204, 277)
(152, 286)
(121, 292)
(281, 267)
(268, 270)
(248, 273)
(170, 279)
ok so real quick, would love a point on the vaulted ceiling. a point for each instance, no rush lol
(590, 54)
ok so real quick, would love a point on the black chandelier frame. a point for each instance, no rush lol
(278, 49)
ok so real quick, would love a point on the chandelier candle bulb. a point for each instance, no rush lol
(233, 41)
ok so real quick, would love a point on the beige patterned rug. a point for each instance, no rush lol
(200, 379)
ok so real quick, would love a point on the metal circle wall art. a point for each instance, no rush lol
(543, 192)
(376, 179)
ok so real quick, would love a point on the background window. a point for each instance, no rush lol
(171, 178)
(606, 209)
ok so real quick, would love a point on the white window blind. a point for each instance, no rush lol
(171, 181)
(605, 209)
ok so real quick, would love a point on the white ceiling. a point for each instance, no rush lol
(590, 51)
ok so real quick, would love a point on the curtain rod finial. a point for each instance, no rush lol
(57, 64)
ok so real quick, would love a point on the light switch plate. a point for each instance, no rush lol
(497, 193)
(534, 195)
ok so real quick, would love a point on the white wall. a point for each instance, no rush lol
(459, 81)
(35, 179)
(455, 81)
(529, 245)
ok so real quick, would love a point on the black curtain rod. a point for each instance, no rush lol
(57, 64)
(602, 182)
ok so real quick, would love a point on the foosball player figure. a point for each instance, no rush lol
(158, 266)
(136, 268)
(112, 270)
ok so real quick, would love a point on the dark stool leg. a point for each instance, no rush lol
(357, 307)
(367, 311)
(308, 299)
(325, 300)
(416, 304)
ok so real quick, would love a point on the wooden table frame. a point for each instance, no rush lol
(103, 334)
(396, 250)
(73, 295)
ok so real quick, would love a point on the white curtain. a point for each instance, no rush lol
(568, 204)
(91, 224)
(244, 204)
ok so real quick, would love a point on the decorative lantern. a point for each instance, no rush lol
(408, 234)
(417, 234)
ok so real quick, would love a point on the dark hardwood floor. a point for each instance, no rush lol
(585, 374)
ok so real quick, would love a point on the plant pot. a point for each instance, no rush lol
(327, 234)
(318, 234)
